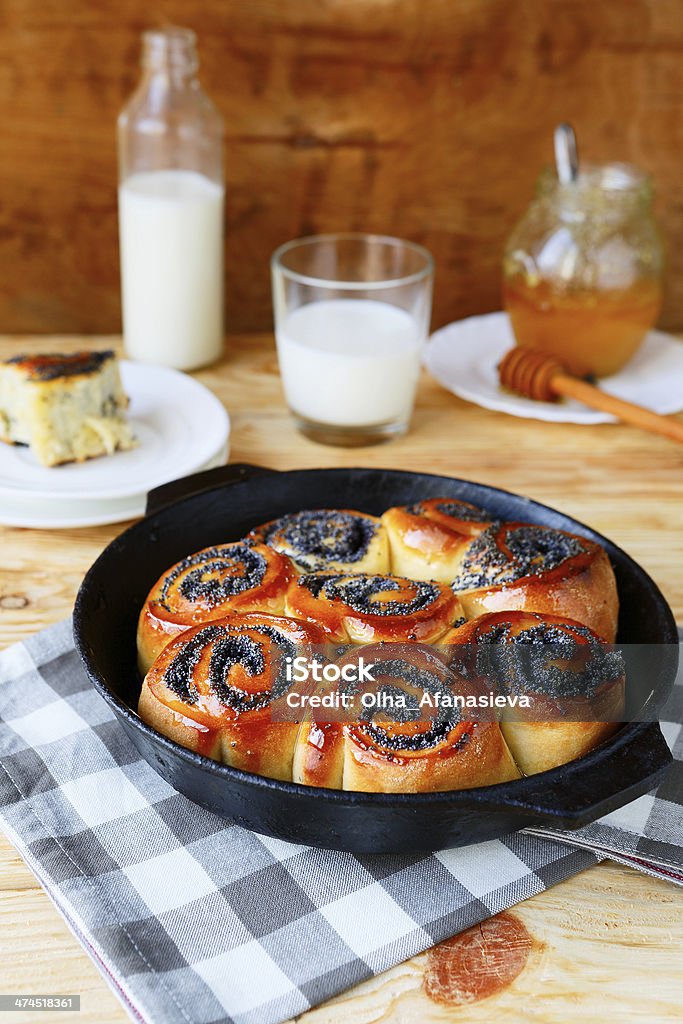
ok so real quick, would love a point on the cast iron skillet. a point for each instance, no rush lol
(222, 505)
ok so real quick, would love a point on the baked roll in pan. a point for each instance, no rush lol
(403, 749)
(366, 608)
(209, 585)
(575, 682)
(338, 540)
(524, 567)
(213, 687)
(428, 540)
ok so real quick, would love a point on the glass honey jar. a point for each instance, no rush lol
(582, 271)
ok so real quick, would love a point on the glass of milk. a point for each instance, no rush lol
(352, 313)
(171, 210)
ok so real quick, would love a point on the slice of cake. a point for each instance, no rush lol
(68, 408)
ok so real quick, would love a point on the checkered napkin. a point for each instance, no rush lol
(646, 834)
(193, 920)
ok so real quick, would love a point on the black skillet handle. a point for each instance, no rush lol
(198, 483)
(581, 791)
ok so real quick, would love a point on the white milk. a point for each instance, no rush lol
(350, 362)
(171, 238)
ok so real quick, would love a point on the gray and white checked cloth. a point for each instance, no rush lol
(196, 921)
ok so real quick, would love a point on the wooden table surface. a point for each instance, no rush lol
(607, 941)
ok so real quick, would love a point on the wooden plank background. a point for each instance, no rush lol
(424, 118)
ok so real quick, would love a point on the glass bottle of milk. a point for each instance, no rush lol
(171, 209)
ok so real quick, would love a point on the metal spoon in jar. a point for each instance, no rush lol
(566, 154)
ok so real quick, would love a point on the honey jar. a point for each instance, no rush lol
(582, 271)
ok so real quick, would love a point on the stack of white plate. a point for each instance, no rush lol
(181, 428)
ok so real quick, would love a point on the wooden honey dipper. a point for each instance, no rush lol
(544, 379)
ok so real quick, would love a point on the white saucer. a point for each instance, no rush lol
(463, 356)
(75, 513)
(180, 425)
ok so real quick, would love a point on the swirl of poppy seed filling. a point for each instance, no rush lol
(178, 674)
(526, 662)
(315, 538)
(533, 551)
(462, 510)
(419, 679)
(357, 592)
(198, 585)
(455, 509)
(231, 647)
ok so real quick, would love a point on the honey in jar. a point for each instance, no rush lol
(582, 270)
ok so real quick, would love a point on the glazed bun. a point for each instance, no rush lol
(409, 751)
(330, 539)
(575, 682)
(428, 540)
(365, 608)
(209, 585)
(212, 690)
(524, 567)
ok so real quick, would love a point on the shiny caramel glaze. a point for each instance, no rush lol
(364, 608)
(393, 749)
(210, 584)
(319, 754)
(212, 689)
(59, 364)
(428, 539)
(568, 672)
(339, 540)
(522, 566)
